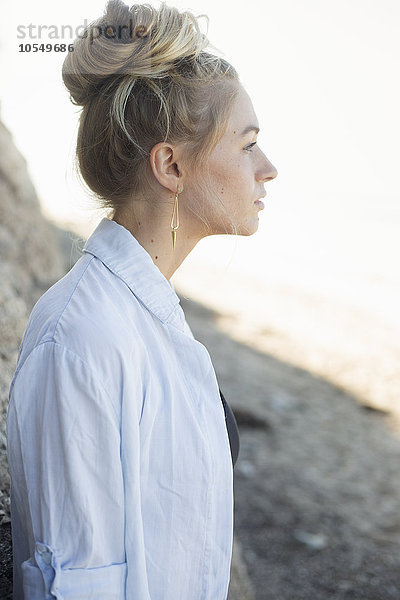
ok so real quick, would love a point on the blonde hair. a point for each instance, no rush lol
(141, 76)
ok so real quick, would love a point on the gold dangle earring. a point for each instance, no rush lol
(175, 227)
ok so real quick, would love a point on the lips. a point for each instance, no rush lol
(259, 203)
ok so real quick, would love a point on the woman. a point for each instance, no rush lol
(119, 453)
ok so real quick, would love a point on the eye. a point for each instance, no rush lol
(249, 147)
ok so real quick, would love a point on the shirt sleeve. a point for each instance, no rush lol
(66, 478)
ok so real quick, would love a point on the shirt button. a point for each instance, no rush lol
(41, 549)
(44, 553)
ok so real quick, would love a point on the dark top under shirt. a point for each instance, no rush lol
(232, 428)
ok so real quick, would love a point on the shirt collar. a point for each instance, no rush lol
(121, 252)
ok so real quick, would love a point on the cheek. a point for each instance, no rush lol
(227, 179)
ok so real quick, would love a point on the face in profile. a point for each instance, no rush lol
(238, 171)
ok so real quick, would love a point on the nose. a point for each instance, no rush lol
(274, 172)
(267, 172)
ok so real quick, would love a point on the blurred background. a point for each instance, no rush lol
(309, 300)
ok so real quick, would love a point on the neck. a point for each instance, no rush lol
(154, 234)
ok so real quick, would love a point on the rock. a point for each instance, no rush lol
(314, 541)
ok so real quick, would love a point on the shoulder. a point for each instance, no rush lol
(86, 313)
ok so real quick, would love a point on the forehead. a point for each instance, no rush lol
(242, 114)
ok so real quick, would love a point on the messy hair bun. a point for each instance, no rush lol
(141, 42)
(142, 76)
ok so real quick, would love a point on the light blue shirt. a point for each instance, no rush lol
(121, 471)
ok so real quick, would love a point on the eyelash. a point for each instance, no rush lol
(248, 148)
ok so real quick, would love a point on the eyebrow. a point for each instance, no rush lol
(250, 128)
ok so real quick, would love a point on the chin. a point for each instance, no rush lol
(249, 229)
(245, 229)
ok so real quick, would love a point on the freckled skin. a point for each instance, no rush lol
(238, 173)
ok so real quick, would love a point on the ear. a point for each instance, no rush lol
(165, 164)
